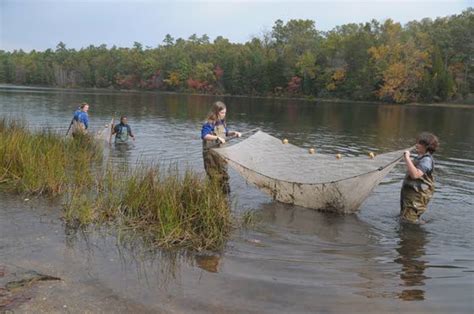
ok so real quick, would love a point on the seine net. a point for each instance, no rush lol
(105, 134)
(292, 175)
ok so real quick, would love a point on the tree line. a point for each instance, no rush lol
(422, 61)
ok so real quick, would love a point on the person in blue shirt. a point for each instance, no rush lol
(122, 131)
(213, 134)
(80, 121)
(418, 185)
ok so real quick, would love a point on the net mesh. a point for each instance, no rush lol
(105, 134)
(291, 175)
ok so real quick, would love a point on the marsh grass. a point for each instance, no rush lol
(168, 208)
(165, 206)
(44, 163)
(250, 219)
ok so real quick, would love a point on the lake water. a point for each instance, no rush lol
(295, 259)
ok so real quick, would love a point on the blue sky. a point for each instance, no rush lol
(41, 24)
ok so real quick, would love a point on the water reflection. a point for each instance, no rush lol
(326, 226)
(297, 254)
(138, 259)
(347, 246)
(122, 151)
(209, 263)
(411, 250)
(130, 254)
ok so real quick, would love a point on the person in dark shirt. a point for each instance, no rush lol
(122, 131)
(418, 185)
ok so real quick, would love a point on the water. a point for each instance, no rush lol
(295, 260)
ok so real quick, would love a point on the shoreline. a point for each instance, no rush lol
(286, 98)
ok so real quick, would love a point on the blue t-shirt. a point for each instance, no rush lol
(425, 163)
(82, 117)
(208, 128)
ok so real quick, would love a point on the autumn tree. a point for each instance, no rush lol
(400, 65)
(426, 60)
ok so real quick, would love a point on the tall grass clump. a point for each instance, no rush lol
(43, 163)
(168, 208)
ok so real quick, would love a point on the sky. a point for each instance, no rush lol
(42, 24)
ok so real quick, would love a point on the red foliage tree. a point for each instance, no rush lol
(294, 85)
(154, 82)
(126, 81)
(195, 84)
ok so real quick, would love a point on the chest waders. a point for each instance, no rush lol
(122, 135)
(415, 195)
(216, 166)
(78, 128)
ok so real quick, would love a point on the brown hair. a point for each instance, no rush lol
(214, 113)
(429, 140)
(83, 105)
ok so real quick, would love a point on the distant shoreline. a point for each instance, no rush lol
(307, 98)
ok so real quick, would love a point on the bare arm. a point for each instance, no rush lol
(234, 133)
(210, 137)
(413, 172)
(129, 130)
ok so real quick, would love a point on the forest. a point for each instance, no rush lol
(422, 61)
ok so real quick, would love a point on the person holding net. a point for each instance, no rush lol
(418, 185)
(213, 134)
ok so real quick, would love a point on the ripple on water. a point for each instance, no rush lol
(297, 259)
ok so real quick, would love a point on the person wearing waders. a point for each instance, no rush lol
(418, 185)
(122, 131)
(213, 134)
(80, 121)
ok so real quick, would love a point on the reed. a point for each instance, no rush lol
(44, 163)
(166, 207)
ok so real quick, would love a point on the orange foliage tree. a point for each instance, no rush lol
(400, 65)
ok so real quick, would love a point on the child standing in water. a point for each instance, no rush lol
(418, 185)
(122, 131)
(213, 133)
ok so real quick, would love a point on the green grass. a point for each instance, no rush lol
(169, 208)
(166, 206)
(44, 163)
